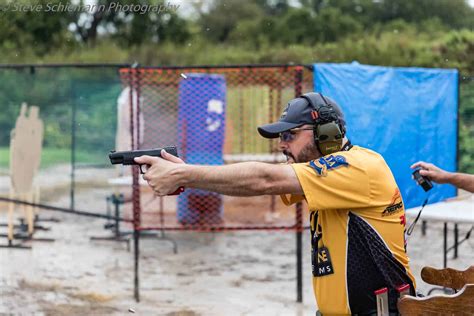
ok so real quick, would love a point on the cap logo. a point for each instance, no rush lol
(285, 112)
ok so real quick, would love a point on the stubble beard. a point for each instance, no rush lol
(307, 153)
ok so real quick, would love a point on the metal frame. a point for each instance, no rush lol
(134, 80)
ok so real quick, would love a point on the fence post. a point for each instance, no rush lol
(134, 87)
(73, 149)
(299, 210)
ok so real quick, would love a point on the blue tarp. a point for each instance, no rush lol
(201, 123)
(405, 114)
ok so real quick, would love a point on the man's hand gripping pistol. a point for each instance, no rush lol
(127, 158)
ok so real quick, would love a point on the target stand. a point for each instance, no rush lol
(116, 199)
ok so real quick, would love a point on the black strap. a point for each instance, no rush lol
(412, 226)
(347, 146)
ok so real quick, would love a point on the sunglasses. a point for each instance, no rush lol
(288, 136)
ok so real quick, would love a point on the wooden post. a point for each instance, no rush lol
(11, 206)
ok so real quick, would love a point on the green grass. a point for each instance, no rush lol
(4, 157)
(54, 156)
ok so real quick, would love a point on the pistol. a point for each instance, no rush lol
(128, 158)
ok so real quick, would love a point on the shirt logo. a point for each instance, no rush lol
(325, 164)
(396, 204)
(321, 262)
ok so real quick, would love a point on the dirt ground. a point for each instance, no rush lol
(226, 273)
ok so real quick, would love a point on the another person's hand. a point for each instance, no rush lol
(162, 175)
(431, 171)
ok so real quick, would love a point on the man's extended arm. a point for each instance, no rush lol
(240, 179)
(461, 180)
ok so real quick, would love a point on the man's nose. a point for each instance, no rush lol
(282, 145)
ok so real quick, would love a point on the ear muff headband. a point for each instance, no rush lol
(328, 131)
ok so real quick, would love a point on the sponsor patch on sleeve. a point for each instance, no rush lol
(327, 163)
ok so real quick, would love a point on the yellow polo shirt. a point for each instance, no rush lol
(357, 228)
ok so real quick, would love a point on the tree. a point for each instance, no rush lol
(363, 11)
(224, 15)
(273, 7)
(42, 30)
(152, 27)
(296, 26)
(453, 13)
(130, 27)
(332, 25)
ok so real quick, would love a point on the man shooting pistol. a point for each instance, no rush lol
(134, 157)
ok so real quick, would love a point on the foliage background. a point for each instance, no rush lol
(422, 33)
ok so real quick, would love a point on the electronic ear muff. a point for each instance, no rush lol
(328, 131)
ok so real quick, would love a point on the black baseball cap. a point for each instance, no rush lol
(297, 113)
